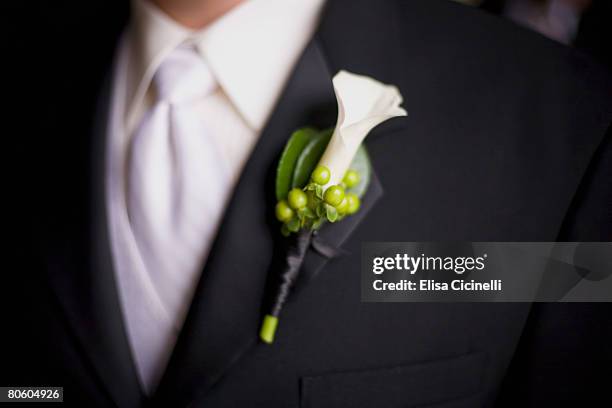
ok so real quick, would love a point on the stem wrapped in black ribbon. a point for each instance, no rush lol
(291, 271)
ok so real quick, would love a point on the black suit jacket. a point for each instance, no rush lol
(505, 141)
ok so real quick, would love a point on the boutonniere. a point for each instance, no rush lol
(322, 174)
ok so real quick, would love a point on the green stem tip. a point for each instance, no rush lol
(268, 328)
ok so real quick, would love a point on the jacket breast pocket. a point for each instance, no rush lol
(453, 382)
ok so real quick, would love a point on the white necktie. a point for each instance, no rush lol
(176, 184)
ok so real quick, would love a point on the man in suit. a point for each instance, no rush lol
(142, 277)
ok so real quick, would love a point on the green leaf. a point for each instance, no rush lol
(309, 158)
(362, 165)
(285, 231)
(321, 210)
(319, 191)
(289, 158)
(317, 224)
(293, 225)
(302, 154)
(332, 213)
(307, 212)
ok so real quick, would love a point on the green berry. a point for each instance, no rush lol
(351, 178)
(283, 212)
(353, 203)
(297, 199)
(321, 175)
(334, 195)
(343, 207)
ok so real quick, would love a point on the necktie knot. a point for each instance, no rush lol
(183, 76)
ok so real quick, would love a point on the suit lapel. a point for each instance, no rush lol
(334, 235)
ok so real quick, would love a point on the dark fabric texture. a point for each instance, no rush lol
(505, 141)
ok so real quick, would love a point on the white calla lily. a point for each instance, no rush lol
(363, 103)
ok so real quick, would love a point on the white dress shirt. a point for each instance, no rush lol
(250, 51)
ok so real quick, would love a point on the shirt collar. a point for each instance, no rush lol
(251, 50)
